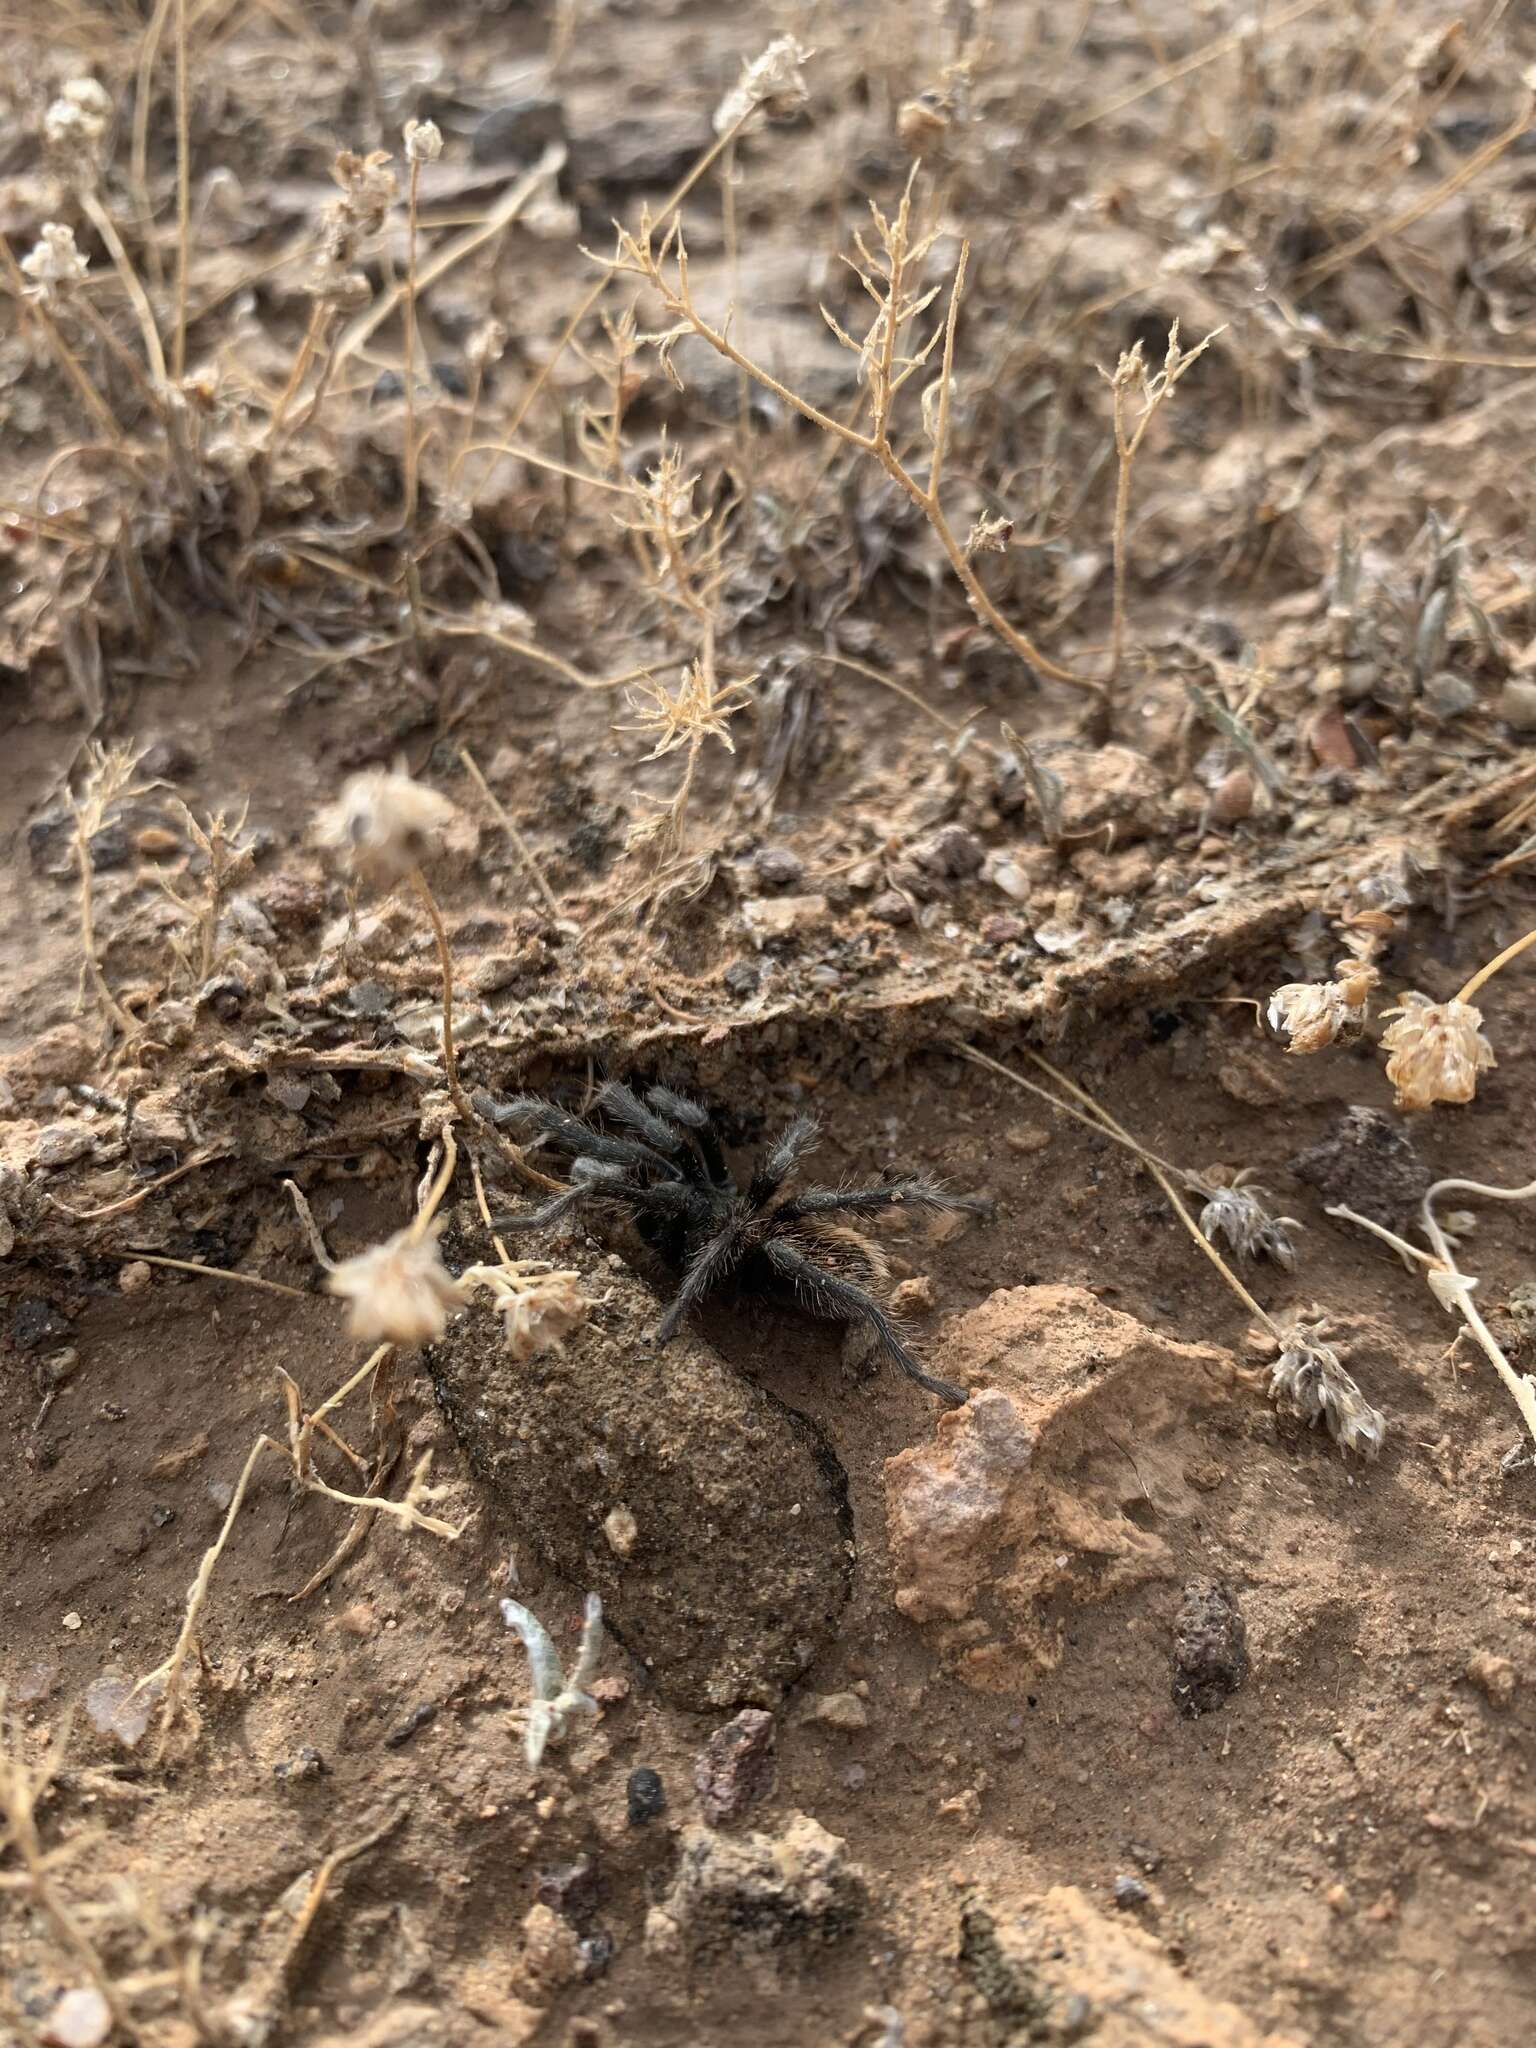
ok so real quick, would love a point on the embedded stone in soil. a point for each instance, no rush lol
(739, 1567)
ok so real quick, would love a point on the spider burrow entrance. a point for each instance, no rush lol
(655, 1156)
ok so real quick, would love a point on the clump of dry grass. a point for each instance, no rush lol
(892, 352)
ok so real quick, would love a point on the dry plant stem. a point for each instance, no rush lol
(137, 374)
(114, 1009)
(168, 1675)
(138, 298)
(1211, 53)
(149, 50)
(875, 675)
(183, 193)
(411, 450)
(20, 1789)
(321, 1883)
(733, 269)
(1476, 164)
(217, 1273)
(445, 964)
(301, 363)
(63, 354)
(1451, 1287)
(219, 1150)
(668, 208)
(1159, 1169)
(432, 1201)
(876, 443)
(1511, 952)
(507, 824)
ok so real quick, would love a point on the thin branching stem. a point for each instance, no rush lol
(183, 193)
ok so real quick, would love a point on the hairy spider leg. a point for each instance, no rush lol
(915, 1191)
(710, 1265)
(625, 1107)
(827, 1294)
(789, 1149)
(693, 1118)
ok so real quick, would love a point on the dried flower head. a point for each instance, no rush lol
(423, 142)
(357, 218)
(989, 535)
(775, 81)
(400, 1291)
(1308, 1379)
(76, 122)
(53, 263)
(386, 824)
(1437, 1051)
(486, 344)
(1309, 1015)
(1237, 1213)
(539, 1308)
(694, 713)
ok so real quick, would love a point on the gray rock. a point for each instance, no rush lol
(765, 1891)
(519, 132)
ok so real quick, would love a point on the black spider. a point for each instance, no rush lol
(665, 1166)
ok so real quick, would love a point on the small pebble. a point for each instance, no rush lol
(841, 1710)
(779, 868)
(645, 1795)
(134, 1278)
(621, 1530)
(1495, 1677)
(81, 2019)
(418, 1718)
(72, 1620)
(1130, 1893)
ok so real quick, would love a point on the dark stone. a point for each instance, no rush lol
(1367, 1163)
(417, 1719)
(779, 867)
(951, 852)
(639, 149)
(740, 978)
(645, 1796)
(111, 850)
(891, 907)
(162, 1517)
(36, 1322)
(736, 1767)
(167, 760)
(451, 378)
(596, 1952)
(1210, 1647)
(389, 384)
(519, 132)
(523, 564)
(50, 842)
(370, 998)
(1130, 1893)
(309, 1763)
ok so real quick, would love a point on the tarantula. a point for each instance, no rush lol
(665, 1166)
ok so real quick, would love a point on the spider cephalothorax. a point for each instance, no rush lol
(659, 1160)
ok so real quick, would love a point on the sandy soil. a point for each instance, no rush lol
(1117, 1705)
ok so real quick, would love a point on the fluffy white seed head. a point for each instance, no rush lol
(399, 1292)
(53, 263)
(774, 81)
(423, 142)
(385, 824)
